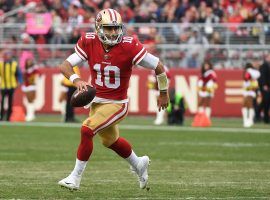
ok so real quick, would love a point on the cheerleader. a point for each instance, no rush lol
(206, 87)
(29, 88)
(250, 85)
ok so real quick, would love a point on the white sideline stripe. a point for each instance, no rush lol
(218, 144)
(251, 162)
(191, 198)
(142, 127)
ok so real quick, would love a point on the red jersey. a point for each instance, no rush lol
(209, 75)
(207, 81)
(110, 71)
(29, 75)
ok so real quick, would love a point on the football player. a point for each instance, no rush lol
(251, 76)
(206, 86)
(111, 57)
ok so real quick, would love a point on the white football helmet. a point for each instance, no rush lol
(109, 18)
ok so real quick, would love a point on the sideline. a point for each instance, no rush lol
(141, 127)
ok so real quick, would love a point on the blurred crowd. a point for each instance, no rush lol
(151, 10)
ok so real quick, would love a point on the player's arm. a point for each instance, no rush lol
(151, 62)
(67, 70)
(163, 86)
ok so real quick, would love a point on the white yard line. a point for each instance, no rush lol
(197, 198)
(215, 144)
(144, 127)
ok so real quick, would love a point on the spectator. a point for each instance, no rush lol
(25, 53)
(195, 53)
(125, 11)
(74, 19)
(74, 36)
(11, 77)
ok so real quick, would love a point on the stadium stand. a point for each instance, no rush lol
(176, 30)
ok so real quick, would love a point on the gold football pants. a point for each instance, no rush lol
(103, 119)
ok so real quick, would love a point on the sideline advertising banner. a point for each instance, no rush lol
(226, 103)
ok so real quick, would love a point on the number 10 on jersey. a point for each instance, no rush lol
(103, 76)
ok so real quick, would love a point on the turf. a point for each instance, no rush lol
(185, 163)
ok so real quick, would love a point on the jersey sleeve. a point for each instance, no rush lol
(138, 51)
(80, 48)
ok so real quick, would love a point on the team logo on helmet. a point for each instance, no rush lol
(99, 17)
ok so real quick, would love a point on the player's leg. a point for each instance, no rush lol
(110, 139)
(84, 151)
(83, 154)
(101, 116)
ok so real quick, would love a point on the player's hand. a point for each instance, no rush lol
(163, 100)
(81, 85)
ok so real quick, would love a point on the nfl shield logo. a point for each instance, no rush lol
(106, 56)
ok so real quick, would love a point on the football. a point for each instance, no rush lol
(80, 99)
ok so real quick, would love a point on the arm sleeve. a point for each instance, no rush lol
(80, 48)
(74, 59)
(149, 61)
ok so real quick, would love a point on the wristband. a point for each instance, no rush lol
(162, 82)
(73, 77)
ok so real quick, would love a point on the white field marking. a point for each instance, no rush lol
(197, 198)
(210, 183)
(251, 162)
(12, 153)
(56, 172)
(218, 144)
(214, 183)
(143, 127)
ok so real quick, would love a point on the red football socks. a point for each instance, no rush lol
(121, 147)
(86, 146)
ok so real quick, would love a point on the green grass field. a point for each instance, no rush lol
(223, 162)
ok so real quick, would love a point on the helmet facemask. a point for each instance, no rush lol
(107, 37)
